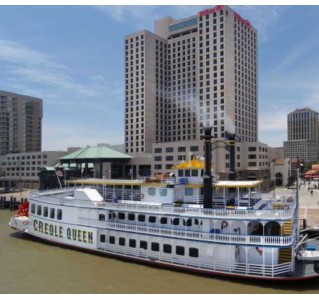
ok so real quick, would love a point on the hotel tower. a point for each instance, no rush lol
(191, 73)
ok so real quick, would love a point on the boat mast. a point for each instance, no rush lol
(208, 182)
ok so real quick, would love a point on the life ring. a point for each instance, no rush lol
(142, 196)
(224, 225)
(289, 199)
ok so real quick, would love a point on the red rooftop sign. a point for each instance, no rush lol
(220, 7)
(240, 19)
(211, 10)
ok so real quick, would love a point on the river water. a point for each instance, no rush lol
(29, 266)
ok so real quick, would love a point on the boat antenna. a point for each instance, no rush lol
(208, 181)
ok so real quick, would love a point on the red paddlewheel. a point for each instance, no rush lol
(23, 210)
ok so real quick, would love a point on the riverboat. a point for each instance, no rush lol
(167, 222)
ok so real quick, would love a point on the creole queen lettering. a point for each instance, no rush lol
(74, 234)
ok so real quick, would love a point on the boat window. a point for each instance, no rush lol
(45, 211)
(131, 217)
(194, 173)
(39, 210)
(193, 252)
(112, 239)
(180, 250)
(189, 192)
(175, 221)
(167, 248)
(155, 246)
(163, 220)
(187, 222)
(32, 208)
(141, 218)
(101, 217)
(151, 191)
(111, 215)
(132, 243)
(143, 245)
(152, 219)
(59, 214)
(121, 216)
(122, 241)
(52, 213)
(187, 173)
(180, 173)
(163, 192)
(102, 238)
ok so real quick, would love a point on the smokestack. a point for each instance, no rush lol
(208, 182)
(231, 137)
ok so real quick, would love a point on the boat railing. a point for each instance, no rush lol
(60, 197)
(205, 263)
(191, 235)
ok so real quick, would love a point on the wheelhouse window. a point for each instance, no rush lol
(151, 191)
(163, 192)
(189, 192)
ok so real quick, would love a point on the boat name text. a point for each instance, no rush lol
(58, 231)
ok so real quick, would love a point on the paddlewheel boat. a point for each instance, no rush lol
(239, 232)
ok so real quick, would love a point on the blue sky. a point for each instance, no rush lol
(73, 58)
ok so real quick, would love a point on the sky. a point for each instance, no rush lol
(72, 57)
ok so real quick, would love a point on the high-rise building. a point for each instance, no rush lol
(20, 123)
(303, 135)
(191, 73)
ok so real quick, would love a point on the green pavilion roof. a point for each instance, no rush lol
(95, 152)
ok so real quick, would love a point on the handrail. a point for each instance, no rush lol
(192, 235)
(248, 214)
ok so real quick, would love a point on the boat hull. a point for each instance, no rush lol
(305, 271)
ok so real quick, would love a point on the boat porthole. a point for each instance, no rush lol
(316, 268)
